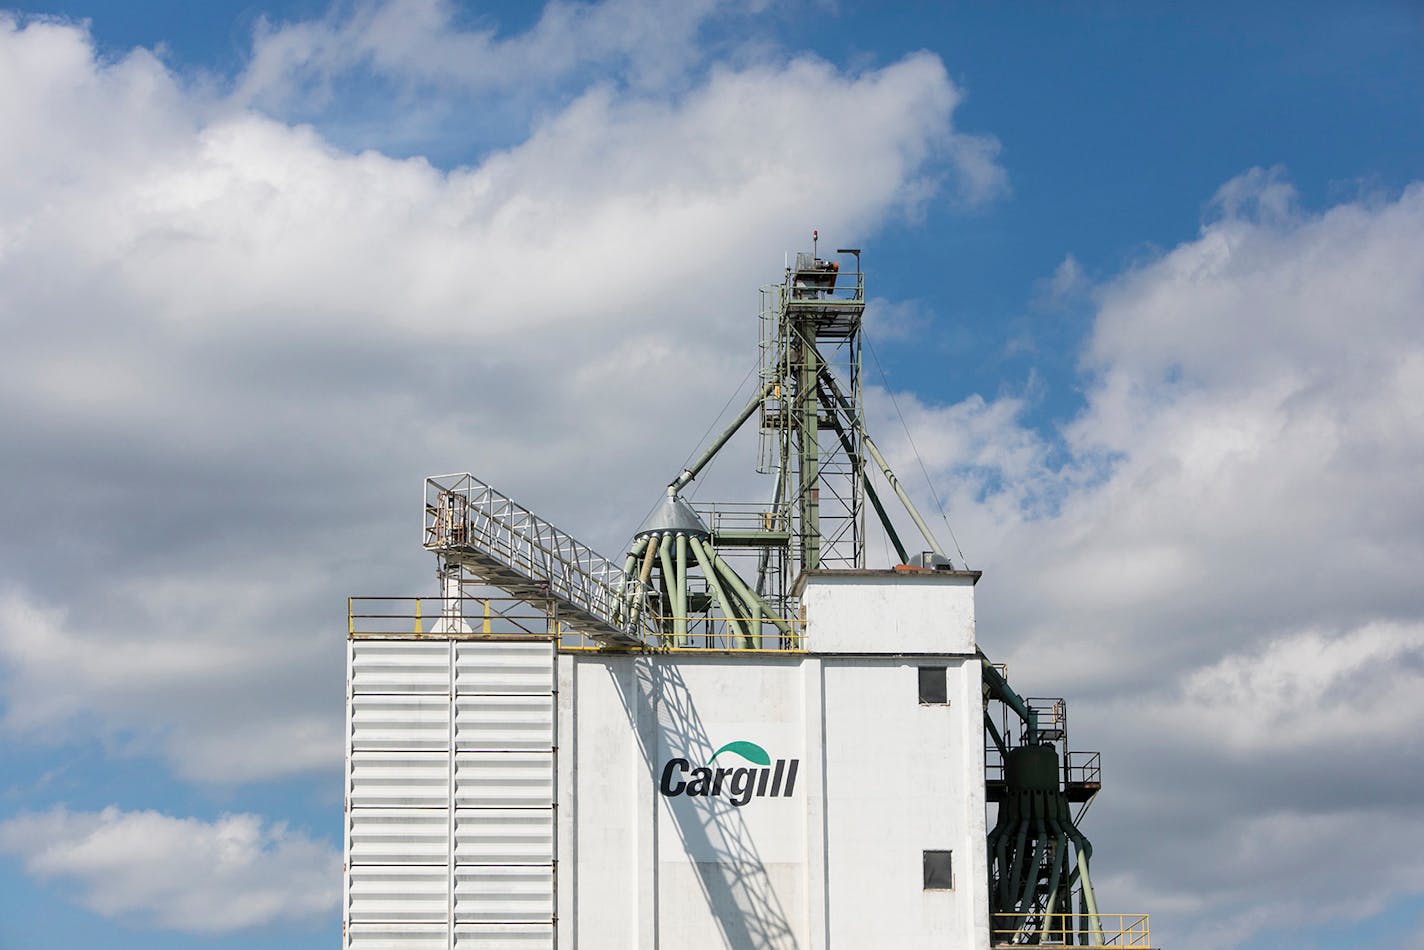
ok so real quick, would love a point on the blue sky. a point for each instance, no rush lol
(1147, 286)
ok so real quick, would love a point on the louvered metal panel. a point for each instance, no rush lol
(504, 723)
(504, 836)
(387, 894)
(400, 666)
(399, 836)
(397, 936)
(416, 868)
(503, 936)
(400, 723)
(503, 666)
(504, 779)
(394, 779)
(504, 894)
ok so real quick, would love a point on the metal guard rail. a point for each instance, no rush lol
(514, 617)
(1112, 931)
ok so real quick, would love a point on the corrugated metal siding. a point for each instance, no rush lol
(504, 723)
(419, 874)
(387, 894)
(485, 666)
(398, 936)
(398, 779)
(503, 936)
(400, 666)
(399, 836)
(407, 723)
(504, 779)
(504, 893)
(503, 836)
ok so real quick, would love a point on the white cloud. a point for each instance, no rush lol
(422, 42)
(232, 348)
(1067, 285)
(1310, 690)
(1286, 869)
(895, 319)
(221, 693)
(1218, 563)
(183, 874)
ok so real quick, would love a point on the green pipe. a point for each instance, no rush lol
(632, 560)
(689, 473)
(1015, 879)
(1084, 852)
(679, 623)
(1002, 860)
(994, 734)
(749, 612)
(710, 572)
(759, 607)
(628, 566)
(650, 553)
(666, 572)
(884, 465)
(1031, 878)
(1060, 857)
(1000, 689)
(997, 845)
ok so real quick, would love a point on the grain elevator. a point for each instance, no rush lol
(740, 735)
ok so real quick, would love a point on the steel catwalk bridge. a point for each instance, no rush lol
(502, 543)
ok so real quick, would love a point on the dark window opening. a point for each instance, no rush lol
(934, 686)
(939, 872)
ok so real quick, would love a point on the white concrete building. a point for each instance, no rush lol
(507, 790)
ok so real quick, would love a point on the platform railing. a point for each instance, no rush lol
(1112, 931)
(503, 616)
(495, 616)
(719, 634)
(1083, 768)
(1078, 767)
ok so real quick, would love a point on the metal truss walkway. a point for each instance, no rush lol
(506, 545)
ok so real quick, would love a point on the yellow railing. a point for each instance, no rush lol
(735, 634)
(1111, 930)
(419, 616)
(509, 616)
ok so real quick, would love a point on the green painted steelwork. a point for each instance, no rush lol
(1031, 880)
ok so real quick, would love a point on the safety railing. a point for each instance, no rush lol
(721, 634)
(741, 517)
(439, 616)
(1083, 768)
(1079, 768)
(498, 616)
(1052, 717)
(814, 284)
(1106, 930)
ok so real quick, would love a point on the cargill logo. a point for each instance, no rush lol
(739, 783)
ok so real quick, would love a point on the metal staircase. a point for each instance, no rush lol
(500, 542)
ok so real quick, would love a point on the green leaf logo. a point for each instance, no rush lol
(750, 751)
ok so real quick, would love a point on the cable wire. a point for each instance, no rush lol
(920, 461)
(692, 489)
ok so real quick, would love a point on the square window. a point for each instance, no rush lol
(934, 686)
(939, 872)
